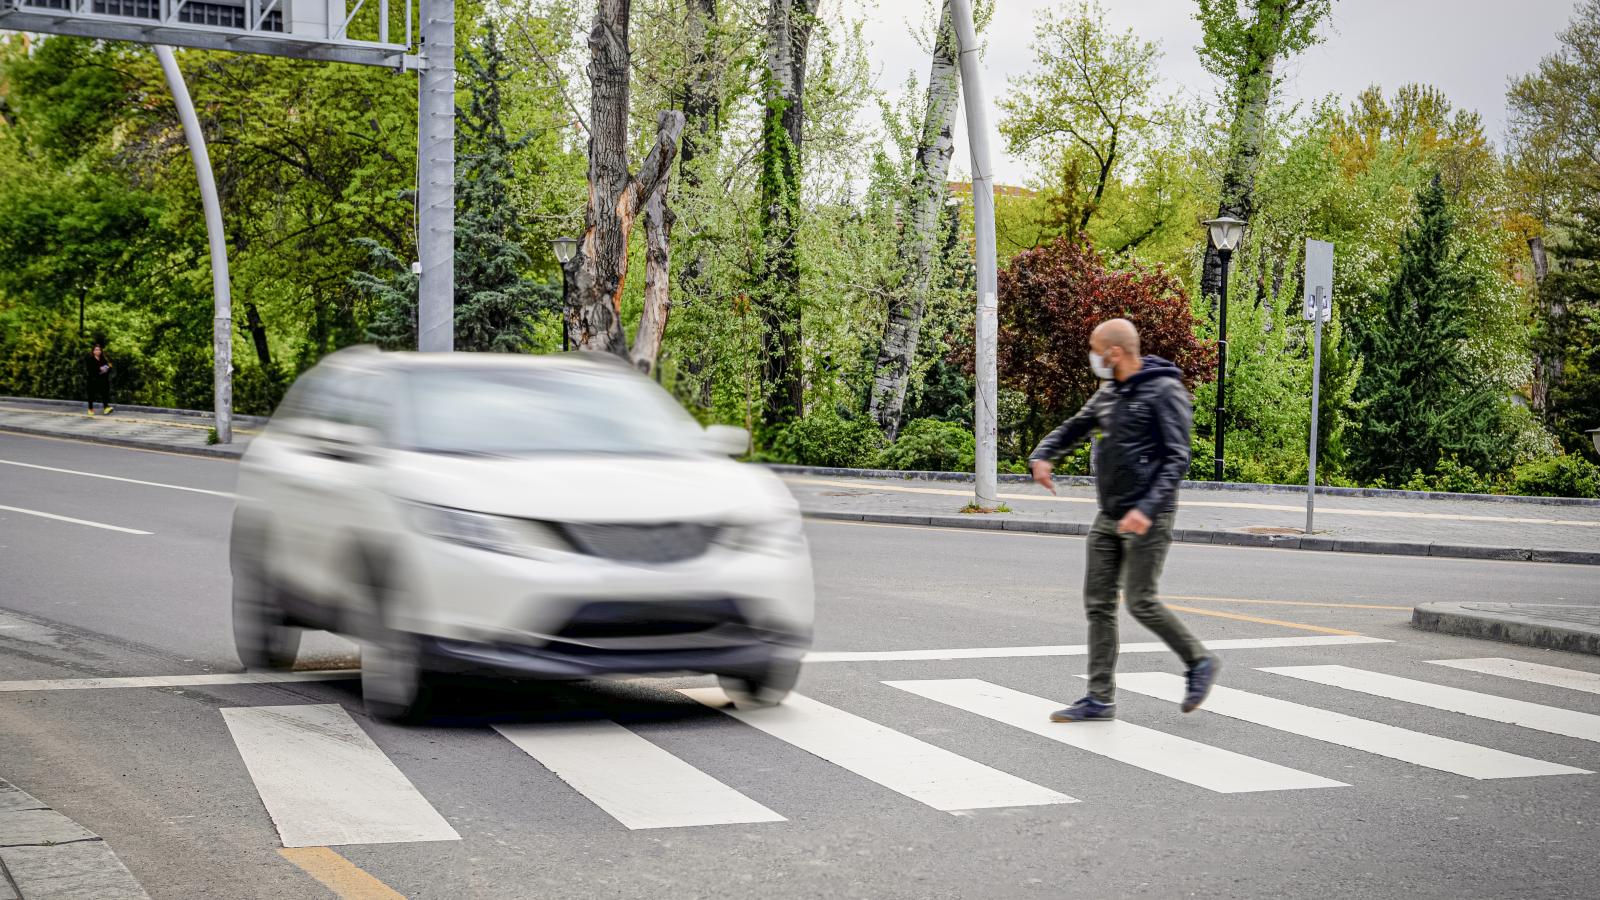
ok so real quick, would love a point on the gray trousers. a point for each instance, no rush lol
(1131, 563)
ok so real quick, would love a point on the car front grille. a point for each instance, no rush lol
(610, 619)
(650, 543)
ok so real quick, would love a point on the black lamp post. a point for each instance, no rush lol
(1225, 234)
(565, 249)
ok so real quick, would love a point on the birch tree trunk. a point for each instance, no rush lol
(908, 304)
(1244, 158)
(789, 24)
(596, 274)
(702, 103)
(1549, 345)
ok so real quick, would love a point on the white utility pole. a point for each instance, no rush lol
(222, 320)
(1318, 309)
(436, 177)
(984, 403)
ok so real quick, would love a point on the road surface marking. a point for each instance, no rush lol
(839, 656)
(1211, 504)
(189, 457)
(919, 770)
(1165, 597)
(323, 780)
(1413, 747)
(347, 880)
(638, 783)
(1165, 754)
(1241, 617)
(1527, 671)
(163, 681)
(159, 484)
(45, 515)
(1471, 703)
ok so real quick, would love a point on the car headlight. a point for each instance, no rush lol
(775, 537)
(497, 534)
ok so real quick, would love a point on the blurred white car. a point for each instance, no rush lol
(543, 517)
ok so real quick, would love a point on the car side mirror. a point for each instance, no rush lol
(727, 440)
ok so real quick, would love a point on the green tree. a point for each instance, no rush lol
(1574, 288)
(1420, 403)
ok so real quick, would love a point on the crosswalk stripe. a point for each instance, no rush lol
(1414, 747)
(919, 770)
(1537, 673)
(323, 780)
(1179, 758)
(1471, 703)
(637, 782)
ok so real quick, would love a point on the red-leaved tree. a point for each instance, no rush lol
(1053, 296)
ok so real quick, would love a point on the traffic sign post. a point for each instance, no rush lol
(1318, 309)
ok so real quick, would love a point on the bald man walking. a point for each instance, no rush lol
(1143, 413)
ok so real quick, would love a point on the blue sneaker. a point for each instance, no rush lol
(1086, 710)
(1200, 677)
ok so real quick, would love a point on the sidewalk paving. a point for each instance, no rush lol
(46, 856)
(180, 431)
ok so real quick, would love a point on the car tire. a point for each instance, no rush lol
(395, 682)
(262, 635)
(769, 687)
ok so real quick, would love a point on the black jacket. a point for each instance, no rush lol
(91, 366)
(1144, 450)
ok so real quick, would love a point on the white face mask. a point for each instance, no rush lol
(1102, 369)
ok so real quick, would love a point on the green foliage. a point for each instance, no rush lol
(1557, 476)
(257, 390)
(929, 445)
(825, 438)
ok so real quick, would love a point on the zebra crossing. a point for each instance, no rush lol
(323, 780)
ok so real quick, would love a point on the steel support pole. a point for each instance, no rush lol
(984, 403)
(1222, 364)
(222, 321)
(436, 177)
(1316, 402)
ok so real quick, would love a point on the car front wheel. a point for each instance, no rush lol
(394, 682)
(262, 634)
(768, 687)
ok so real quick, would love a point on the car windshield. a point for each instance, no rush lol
(525, 411)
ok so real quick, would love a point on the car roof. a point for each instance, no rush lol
(371, 358)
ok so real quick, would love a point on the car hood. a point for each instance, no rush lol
(594, 488)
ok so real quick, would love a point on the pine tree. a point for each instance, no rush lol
(1574, 284)
(1418, 401)
(494, 302)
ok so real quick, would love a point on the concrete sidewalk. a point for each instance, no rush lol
(182, 431)
(1398, 524)
(46, 856)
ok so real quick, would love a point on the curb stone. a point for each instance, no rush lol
(247, 421)
(1532, 625)
(46, 856)
(1227, 538)
(231, 451)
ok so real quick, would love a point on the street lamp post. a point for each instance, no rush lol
(565, 248)
(1225, 232)
(1594, 435)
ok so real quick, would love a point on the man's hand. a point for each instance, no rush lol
(1041, 473)
(1135, 521)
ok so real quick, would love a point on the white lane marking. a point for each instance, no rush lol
(161, 681)
(324, 782)
(638, 783)
(45, 515)
(919, 770)
(1413, 747)
(1210, 504)
(159, 484)
(1175, 757)
(1079, 649)
(1527, 671)
(1471, 703)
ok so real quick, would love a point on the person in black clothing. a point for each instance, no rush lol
(1143, 413)
(97, 371)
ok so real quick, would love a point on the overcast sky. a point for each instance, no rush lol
(1467, 48)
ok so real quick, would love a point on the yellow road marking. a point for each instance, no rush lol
(340, 875)
(1282, 602)
(1216, 504)
(1219, 614)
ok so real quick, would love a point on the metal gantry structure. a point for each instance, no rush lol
(300, 29)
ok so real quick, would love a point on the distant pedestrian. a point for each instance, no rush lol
(1143, 413)
(97, 371)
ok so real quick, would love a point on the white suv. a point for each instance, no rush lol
(542, 517)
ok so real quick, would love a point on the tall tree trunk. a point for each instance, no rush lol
(789, 24)
(1248, 130)
(258, 334)
(658, 218)
(596, 274)
(1549, 345)
(909, 303)
(702, 103)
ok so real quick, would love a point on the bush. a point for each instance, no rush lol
(1455, 477)
(258, 391)
(825, 438)
(1557, 476)
(929, 445)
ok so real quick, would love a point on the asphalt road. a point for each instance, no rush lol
(158, 773)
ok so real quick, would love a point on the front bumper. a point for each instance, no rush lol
(569, 661)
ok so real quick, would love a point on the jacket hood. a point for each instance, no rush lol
(1154, 367)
